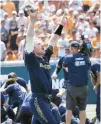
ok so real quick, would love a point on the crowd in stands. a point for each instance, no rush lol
(83, 23)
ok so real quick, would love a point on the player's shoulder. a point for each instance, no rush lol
(69, 56)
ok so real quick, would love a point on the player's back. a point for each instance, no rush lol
(78, 66)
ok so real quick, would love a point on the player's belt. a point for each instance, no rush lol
(68, 84)
(43, 95)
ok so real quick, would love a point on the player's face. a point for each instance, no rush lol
(67, 51)
(39, 48)
(73, 50)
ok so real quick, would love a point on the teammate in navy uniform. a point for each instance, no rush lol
(77, 84)
(95, 69)
(59, 67)
(16, 97)
(25, 111)
(37, 63)
(19, 80)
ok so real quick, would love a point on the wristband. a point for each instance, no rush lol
(59, 30)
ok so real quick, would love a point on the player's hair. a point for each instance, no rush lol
(9, 82)
(12, 75)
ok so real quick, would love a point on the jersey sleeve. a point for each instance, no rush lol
(65, 62)
(95, 68)
(30, 59)
(22, 82)
(60, 62)
(2, 98)
(9, 89)
(48, 53)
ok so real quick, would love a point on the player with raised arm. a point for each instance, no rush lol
(37, 63)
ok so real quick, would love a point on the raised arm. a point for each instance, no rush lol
(30, 32)
(57, 32)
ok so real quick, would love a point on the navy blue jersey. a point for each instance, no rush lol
(60, 63)
(78, 67)
(39, 71)
(95, 68)
(22, 82)
(26, 107)
(27, 99)
(2, 98)
(15, 94)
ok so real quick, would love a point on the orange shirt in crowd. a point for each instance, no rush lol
(10, 58)
(40, 8)
(9, 7)
(55, 50)
(69, 36)
(87, 2)
(69, 25)
(96, 42)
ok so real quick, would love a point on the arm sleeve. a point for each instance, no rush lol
(30, 59)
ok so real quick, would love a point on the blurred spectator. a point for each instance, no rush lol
(91, 30)
(16, 3)
(79, 34)
(96, 40)
(69, 25)
(4, 32)
(2, 11)
(22, 29)
(62, 42)
(96, 43)
(82, 22)
(73, 36)
(13, 19)
(2, 51)
(7, 20)
(51, 7)
(8, 6)
(13, 36)
(40, 6)
(22, 47)
(10, 56)
(20, 37)
(86, 5)
(75, 4)
(96, 19)
(22, 20)
(21, 2)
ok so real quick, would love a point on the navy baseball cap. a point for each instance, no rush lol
(75, 44)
